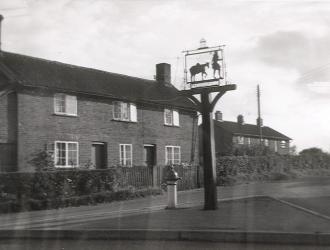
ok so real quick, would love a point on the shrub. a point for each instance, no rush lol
(42, 161)
(55, 189)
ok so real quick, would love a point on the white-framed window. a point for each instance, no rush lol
(65, 104)
(124, 111)
(240, 139)
(266, 142)
(172, 155)
(171, 117)
(125, 155)
(248, 141)
(283, 144)
(66, 154)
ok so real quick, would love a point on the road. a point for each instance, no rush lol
(139, 245)
(311, 194)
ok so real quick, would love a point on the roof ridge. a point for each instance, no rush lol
(236, 122)
(77, 66)
(234, 127)
(38, 72)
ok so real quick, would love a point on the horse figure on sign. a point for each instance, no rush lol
(215, 64)
(196, 69)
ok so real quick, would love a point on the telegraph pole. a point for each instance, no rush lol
(259, 119)
(1, 18)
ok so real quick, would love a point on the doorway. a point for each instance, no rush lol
(99, 155)
(149, 155)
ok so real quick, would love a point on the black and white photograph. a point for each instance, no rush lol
(178, 124)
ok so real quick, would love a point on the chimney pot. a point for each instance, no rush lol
(163, 72)
(218, 116)
(240, 119)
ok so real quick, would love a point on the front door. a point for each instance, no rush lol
(99, 155)
(149, 154)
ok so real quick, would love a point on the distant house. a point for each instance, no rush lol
(229, 135)
(83, 116)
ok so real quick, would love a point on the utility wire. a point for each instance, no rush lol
(310, 72)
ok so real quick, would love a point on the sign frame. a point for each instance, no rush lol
(218, 68)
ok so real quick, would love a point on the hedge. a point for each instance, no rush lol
(54, 189)
(236, 169)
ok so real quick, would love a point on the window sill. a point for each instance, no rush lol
(66, 167)
(173, 126)
(117, 120)
(66, 115)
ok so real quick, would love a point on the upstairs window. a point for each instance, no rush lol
(66, 154)
(125, 155)
(65, 104)
(171, 117)
(266, 142)
(124, 111)
(172, 155)
(283, 144)
(240, 139)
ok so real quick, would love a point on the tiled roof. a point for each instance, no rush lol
(250, 130)
(36, 72)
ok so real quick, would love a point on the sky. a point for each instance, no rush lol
(281, 45)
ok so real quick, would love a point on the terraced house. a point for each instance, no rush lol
(87, 117)
(229, 135)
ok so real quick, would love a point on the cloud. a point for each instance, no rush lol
(282, 45)
(293, 50)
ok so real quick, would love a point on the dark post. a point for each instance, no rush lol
(205, 107)
(210, 189)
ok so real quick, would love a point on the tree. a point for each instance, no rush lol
(314, 151)
(315, 155)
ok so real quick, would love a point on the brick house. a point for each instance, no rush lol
(229, 135)
(84, 116)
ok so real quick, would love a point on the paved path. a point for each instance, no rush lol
(122, 208)
(257, 214)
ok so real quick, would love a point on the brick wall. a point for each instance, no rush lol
(38, 126)
(8, 132)
(3, 119)
(8, 118)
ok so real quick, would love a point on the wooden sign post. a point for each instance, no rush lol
(205, 107)
(207, 74)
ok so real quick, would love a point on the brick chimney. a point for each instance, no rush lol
(163, 72)
(218, 116)
(240, 119)
(259, 122)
